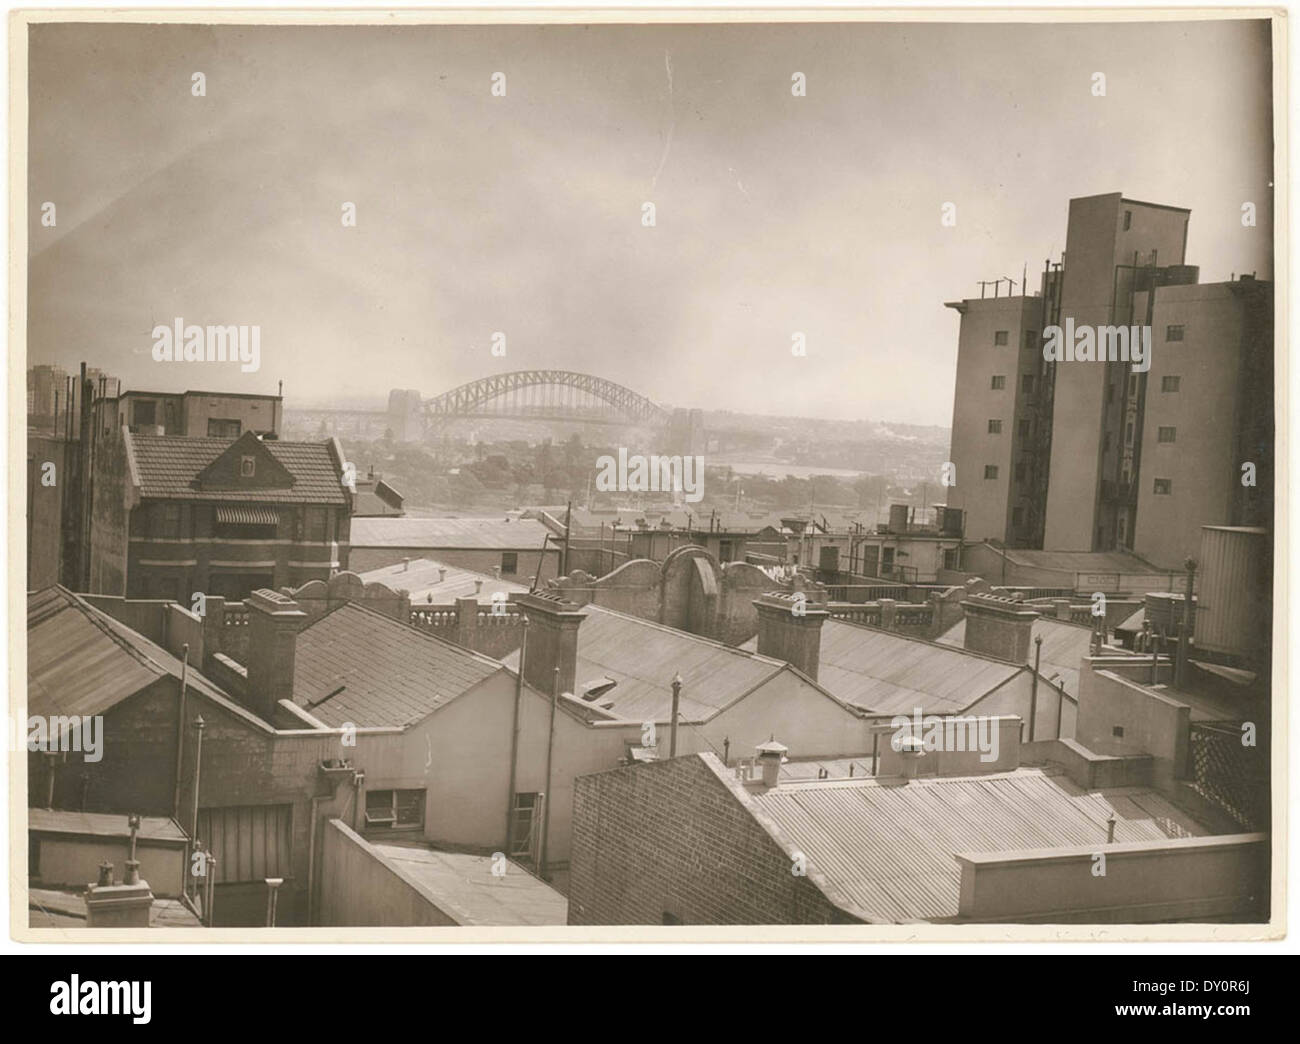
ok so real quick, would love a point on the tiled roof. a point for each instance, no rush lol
(495, 533)
(642, 658)
(1064, 646)
(888, 673)
(167, 466)
(889, 848)
(389, 674)
(422, 578)
(82, 661)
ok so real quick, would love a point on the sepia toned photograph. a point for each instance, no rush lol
(580, 474)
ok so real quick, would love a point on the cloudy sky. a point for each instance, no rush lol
(522, 213)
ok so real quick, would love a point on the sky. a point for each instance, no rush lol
(774, 214)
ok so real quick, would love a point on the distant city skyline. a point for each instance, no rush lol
(775, 214)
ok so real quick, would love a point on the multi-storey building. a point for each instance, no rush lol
(1049, 454)
(201, 414)
(174, 515)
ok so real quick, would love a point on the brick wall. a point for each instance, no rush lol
(671, 837)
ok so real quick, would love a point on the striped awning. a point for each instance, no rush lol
(248, 516)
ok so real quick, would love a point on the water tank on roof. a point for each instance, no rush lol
(1234, 605)
(898, 518)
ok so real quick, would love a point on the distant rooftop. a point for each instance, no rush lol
(427, 580)
(494, 533)
(1064, 646)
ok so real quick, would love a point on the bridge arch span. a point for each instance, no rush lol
(560, 394)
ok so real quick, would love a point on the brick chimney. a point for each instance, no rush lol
(998, 626)
(790, 629)
(551, 640)
(274, 621)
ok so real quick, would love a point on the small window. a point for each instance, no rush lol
(724, 551)
(168, 520)
(396, 809)
(1117, 731)
(1128, 220)
(315, 524)
(1166, 433)
(1110, 393)
(1132, 386)
(1163, 487)
(1174, 332)
(1170, 384)
(998, 383)
(1001, 337)
(1021, 471)
(509, 563)
(1031, 340)
(1018, 516)
(1128, 434)
(223, 429)
(990, 471)
(1025, 428)
(144, 413)
(995, 427)
(247, 467)
(1027, 383)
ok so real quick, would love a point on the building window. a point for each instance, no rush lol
(1025, 428)
(1132, 386)
(523, 826)
(1017, 516)
(1020, 471)
(1170, 384)
(394, 809)
(1001, 337)
(247, 467)
(509, 563)
(724, 551)
(995, 427)
(1166, 433)
(1110, 393)
(1163, 487)
(167, 521)
(223, 429)
(1174, 332)
(998, 383)
(1027, 383)
(990, 471)
(1128, 220)
(144, 413)
(1031, 340)
(1117, 731)
(315, 525)
(1128, 434)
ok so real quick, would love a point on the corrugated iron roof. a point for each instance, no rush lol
(167, 466)
(522, 534)
(380, 672)
(888, 673)
(102, 824)
(82, 661)
(889, 846)
(1064, 647)
(642, 658)
(422, 579)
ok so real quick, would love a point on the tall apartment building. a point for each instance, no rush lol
(1049, 454)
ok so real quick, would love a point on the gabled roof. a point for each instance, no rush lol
(642, 657)
(888, 673)
(82, 661)
(424, 577)
(884, 850)
(1064, 646)
(379, 672)
(169, 466)
(495, 533)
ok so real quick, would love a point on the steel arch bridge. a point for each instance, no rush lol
(546, 395)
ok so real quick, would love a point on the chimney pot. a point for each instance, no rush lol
(478, 586)
(442, 575)
(770, 756)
